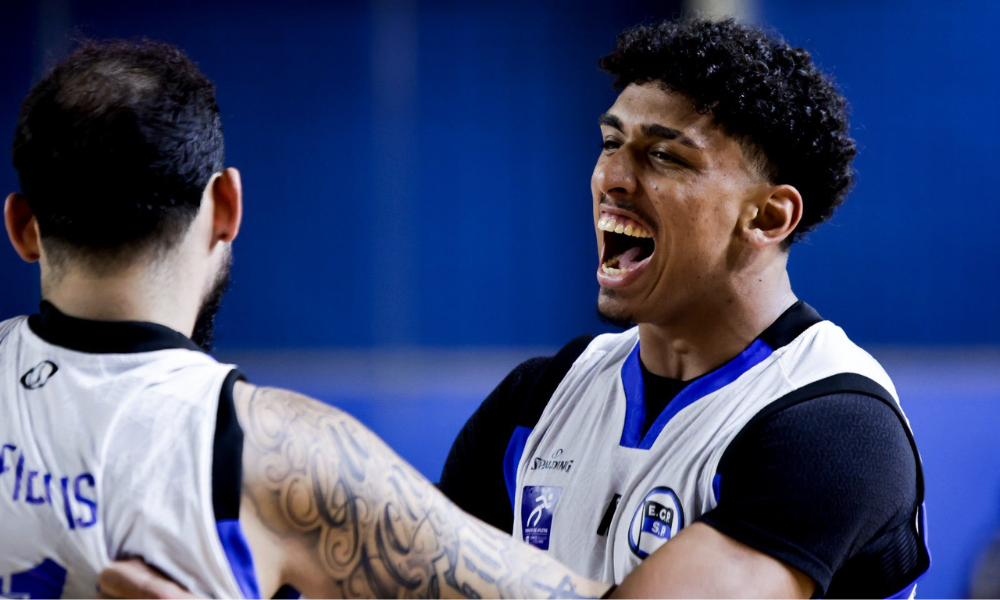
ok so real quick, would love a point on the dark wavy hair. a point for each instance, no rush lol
(114, 147)
(787, 115)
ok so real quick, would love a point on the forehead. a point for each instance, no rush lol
(648, 103)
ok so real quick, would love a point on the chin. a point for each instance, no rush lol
(612, 310)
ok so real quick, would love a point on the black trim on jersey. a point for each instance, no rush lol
(104, 337)
(227, 464)
(227, 454)
(790, 325)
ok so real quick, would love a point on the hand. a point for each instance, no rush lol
(133, 578)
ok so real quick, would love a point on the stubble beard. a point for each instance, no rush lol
(609, 312)
(204, 325)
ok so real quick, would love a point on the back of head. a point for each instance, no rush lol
(113, 149)
(787, 114)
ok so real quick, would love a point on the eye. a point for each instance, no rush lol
(610, 144)
(659, 154)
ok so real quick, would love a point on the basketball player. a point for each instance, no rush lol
(733, 443)
(121, 437)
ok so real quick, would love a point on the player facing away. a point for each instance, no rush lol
(121, 437)
(732, 443)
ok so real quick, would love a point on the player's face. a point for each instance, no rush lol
(668, 189)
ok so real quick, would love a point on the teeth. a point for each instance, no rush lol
(612, 270)
(622, 225)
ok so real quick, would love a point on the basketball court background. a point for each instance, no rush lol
(418, 211)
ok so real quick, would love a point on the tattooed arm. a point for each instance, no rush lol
(329, 509)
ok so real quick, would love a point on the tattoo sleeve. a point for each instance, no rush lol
(366, 524)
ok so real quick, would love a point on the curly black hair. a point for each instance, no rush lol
(114, 147)
(787, 114)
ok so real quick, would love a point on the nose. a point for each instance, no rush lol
(614, 174)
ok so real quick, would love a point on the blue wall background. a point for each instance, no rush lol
(417, 196)
(417, 172)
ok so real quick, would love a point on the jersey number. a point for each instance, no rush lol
(44, 581)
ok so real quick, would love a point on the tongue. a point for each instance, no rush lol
(629, 258)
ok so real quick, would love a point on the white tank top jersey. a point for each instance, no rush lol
(588, 446)
(107, 452)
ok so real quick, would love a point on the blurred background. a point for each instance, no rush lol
(418, 220)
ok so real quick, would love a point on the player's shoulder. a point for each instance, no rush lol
(8, 326)
(824, 352)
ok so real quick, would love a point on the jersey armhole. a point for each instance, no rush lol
(227, 484)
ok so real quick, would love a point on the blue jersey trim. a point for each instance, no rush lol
(635, 395)
(635, 400)
(717, 487)
(512, 457)
(234, 544)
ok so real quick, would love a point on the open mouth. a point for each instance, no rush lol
(627, 244)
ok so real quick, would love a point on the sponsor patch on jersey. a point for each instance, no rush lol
(39, 375)
(538, 503)
(657, 519)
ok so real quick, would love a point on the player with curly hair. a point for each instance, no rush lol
(732, 443)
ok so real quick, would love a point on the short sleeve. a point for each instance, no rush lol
(827, 486)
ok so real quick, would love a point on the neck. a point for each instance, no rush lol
(153, 294)
(718, 326)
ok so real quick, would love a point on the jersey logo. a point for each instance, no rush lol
(658, 518)
(555, 463)
(39, 375)
(538, 503)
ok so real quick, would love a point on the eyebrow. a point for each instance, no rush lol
(651, 130)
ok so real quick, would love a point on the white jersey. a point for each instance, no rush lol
(587, 461)
(106, 454)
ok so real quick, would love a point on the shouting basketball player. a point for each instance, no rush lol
(121, 437)
(733, 443)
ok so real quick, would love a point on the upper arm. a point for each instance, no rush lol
(802, 493)
(820, 486)
(332, 511)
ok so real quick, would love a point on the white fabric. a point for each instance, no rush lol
(141, 425)
(583, 423)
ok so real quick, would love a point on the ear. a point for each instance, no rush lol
(778, 210)
(227, 197)
(22, 227)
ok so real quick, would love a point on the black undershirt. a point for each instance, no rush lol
(827, 486)
(659, 391)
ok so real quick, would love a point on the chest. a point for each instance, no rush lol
(601, 496)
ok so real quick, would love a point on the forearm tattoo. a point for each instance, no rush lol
(373, 525)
